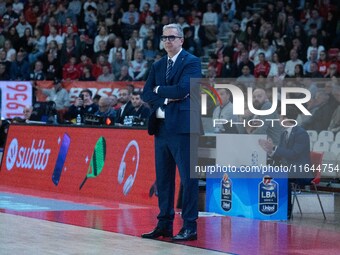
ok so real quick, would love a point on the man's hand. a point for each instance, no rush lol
(267, 145)
(79, 102)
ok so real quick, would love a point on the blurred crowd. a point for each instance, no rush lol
(115, 40)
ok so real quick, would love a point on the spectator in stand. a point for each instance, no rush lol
(86, 75)
(52, 68)
(181, 21)
(198, 32)
(17, 6)
(263, 67)
(155, 41)
(102, 36)
(298, 71)
(59, 95)
(69, 23)
(274, 65)
(118, 46)
(117, 64)
(215, 64)
(332, 71)
(323, 64)
(254, 52)
(20, 70)
(228, 69)
(98, 67)
(22, 25)
(84, 61)
(219, 50)
(4, 75)
(13, 36)
(314, 19)
(152, 4)
(33, 14)
(105, 108)
(10, 51)
(146, 12)
(149, 52)
(247, 79)
(128, 28)
(281, 75)
(27, 112)
(267, 49)
(106, 75)
(290, 65)
(75, 7)
(52, 47)
(13, 16)
(38, 42)
(244, 61)
(210, 23)
(124, 98)
(314, 46)
(138, 67)
(62, 13)
(130, 13)
(70, 70)
(4, 61)
(53, 35)
(131, 52)
(102, 8)
(174, 13)
(238, 34)
(314, 73)
(90, 20)
(114, 17)
(52, 22)
(140, 109)
(124, 74)
(311, 59)
(139, 40)
(37, 73)
(69, 50)
(24, 41)
(149, 24)
(82, 105)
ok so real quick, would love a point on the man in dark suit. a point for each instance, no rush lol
(126, 107)
(293, 150)
(175, 122)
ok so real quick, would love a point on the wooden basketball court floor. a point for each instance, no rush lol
(34, 222)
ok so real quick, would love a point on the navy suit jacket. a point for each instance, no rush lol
(297, 150)
(181, 116)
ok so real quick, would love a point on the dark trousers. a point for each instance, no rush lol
(174, 150)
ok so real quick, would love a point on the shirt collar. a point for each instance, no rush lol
(175, 57)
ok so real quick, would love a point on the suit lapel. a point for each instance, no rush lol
(291, 137)
(178, 64)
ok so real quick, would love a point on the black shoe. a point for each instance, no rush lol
(157, 232)
(185, 235)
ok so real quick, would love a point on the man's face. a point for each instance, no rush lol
(27, 112)
(224, 96)
(103, 105)
(124, 96)
(136, 101)
(172, 48)
(87, 98)
(259, 97)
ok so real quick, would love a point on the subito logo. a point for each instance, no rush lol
(34, 157)
(12, 154)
